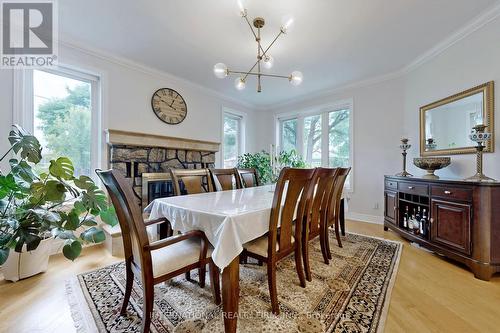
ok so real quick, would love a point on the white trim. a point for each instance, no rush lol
(375, 219)
(158, 73)
(472, 26)
(242, 119)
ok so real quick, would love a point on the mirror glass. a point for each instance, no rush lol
(445, 125)
(449, 125)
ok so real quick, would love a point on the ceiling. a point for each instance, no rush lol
(334, 42)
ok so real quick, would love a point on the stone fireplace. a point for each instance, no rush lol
(135, 154)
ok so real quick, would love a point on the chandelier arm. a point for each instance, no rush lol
(246, 73)
(261, 74)
(254, 34)
(274, 40)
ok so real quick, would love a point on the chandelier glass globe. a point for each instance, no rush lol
(268, 62)
(239, 83)
(220, 70)
(296, 78)
(287, 23)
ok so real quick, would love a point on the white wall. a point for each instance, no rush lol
(377, 130)
(127, 89)
(470, 62)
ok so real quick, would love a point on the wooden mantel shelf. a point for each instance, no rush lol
(119, 137)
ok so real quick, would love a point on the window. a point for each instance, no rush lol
(323, 138)
(232, 139)
(64, 116)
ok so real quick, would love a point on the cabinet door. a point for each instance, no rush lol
(391, 204)
(450, 225)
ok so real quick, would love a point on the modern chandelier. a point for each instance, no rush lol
(264, 59)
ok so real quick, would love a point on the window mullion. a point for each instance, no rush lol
(325, 140)
(300, 136)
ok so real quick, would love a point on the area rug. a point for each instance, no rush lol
(352, 294)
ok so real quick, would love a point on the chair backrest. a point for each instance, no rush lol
(194, 181)
(294, 191)
(323, 182)
(129, 216)
(336, 194)
(226, 179)
(248, 177)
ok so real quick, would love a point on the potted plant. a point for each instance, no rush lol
(265, 164)
(38, 206)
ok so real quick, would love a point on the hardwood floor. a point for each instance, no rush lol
(430, 294)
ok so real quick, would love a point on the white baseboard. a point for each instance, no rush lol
(365, 218)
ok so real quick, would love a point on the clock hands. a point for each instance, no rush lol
(173, 101)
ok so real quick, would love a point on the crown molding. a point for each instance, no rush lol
(477, 23)
(160, 74)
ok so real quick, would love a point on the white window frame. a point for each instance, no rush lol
(323, 110)
(24, 113)
(241, 117)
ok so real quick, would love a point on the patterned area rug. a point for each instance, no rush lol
(352, 294)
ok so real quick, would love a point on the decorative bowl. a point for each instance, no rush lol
(431, 164)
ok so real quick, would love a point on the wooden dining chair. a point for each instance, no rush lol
(334, 210)
(225, 179)
(291, 199)
(158, 261)
(193, 181)
(248, 177)
(323, 181)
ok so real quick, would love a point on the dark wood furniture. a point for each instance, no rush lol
(334, 211)
(192, 181)
(248, 177)
(159, 261)
(464, 218)
(323, 181)
(226, 179)
(287, 238)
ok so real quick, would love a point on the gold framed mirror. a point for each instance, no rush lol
(446, 124)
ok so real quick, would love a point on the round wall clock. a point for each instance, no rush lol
(169, 106)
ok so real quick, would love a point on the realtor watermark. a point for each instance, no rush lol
(29, 34)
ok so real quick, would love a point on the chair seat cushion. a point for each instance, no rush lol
(176, 256)
(259, 246)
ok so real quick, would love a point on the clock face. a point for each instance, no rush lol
(169, 106)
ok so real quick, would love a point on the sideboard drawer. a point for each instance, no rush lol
(455, 193)
(413, 188)
(391, 184)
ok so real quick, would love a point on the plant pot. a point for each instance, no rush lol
(25, 264)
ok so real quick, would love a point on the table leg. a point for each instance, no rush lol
(231, 294)
(342, 217)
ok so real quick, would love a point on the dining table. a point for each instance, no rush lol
(229, 219)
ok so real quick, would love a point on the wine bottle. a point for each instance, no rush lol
(423, 223)
(405, 218)
(418, 216)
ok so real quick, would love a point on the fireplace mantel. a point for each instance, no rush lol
(119, 137)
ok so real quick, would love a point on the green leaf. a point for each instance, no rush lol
(62, 168)
(62, 234)
(72, 249)
(84, 182)
(79, 207)
(22, 170)
(72, 221)
(93, 235)
(88, 221)
(108, 216)
(33, 243)
(4, 254)
(54, 191)
(94, 199)
(25, 144)
(8, 185)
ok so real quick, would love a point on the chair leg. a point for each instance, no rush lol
(337, 233)
(215, 282)
(305, 257)
(128, 286)
(323, 236)
(202, 272)
(148, 299)
(327, 244)
(243, 258)
(259, 262)
(188, 275)
(273, 292)
(298, 265)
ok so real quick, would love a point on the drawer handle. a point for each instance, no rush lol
(411, 187)
(432, 220)
(447, 192)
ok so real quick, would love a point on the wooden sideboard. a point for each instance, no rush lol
(464, 218)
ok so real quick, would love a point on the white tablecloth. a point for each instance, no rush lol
(228, 218)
